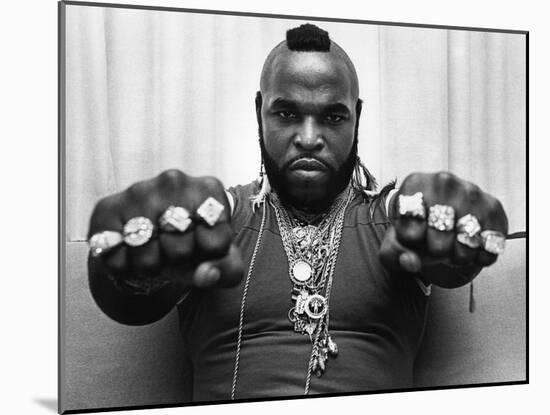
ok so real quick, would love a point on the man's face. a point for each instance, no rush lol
(308, 123)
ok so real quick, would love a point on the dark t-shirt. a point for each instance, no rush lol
(376, 317)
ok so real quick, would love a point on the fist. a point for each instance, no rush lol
(202, 255)
(417, 242)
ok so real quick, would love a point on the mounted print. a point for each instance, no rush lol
(267, 207)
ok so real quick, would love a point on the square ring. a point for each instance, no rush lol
(441, 217)
(210, 211)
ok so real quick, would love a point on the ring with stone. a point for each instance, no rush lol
(441, 217)
(467, 231)
(102, 242)
(175, 219)
(493, 241)
(210, 211)
(412, 206)
(138, 231)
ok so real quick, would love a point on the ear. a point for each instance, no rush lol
(258, 101)
(358, 108)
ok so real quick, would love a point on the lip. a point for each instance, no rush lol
(308, 164)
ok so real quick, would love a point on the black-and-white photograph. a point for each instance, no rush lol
(259, 207)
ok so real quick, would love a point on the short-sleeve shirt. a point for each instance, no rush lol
(376, 316)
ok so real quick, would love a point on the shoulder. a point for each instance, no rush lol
(241, 206)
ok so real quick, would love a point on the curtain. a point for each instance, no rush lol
(150, 90)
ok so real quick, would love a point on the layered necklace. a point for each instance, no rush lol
(311, 245)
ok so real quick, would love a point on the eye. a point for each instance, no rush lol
(287, 115)
(334, 118)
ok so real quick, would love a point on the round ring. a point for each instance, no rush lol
(441, 217)
(175, 219)
(210, 211)
(138, 231)
(103, 241)
(412, 206)
(493, 241)
(468, 228)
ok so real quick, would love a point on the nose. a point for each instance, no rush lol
(309, 137)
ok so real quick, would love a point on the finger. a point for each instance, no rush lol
(396, 256)
(463, 254)
(440, 235)
(225, 272)
(494, 218)
(145, 260)
(177, 247)
(410, 231)
(485, 258)
(106, 216)
(213, 242)
(142, 200)
(116, 261)
(440, 243)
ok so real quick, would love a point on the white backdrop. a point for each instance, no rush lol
(150, 90)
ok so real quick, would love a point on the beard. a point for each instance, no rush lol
(308, 201)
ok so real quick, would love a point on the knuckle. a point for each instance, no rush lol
(104, 214)
(136, 191)
(172, 177)
(211, 184)
(473, 193)
(412, 180)
(446, 179)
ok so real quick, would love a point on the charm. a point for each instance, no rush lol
(301, 271)
(301, 302)
(310, 328)
(299, 326)
(332, 347)
(316, 306)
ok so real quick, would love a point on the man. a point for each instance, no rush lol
(307, 281)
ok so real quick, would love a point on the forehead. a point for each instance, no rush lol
(304, 76)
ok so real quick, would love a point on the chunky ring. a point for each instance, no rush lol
(210, 211)
(441, 217)
(138, 231)
(175, 219)
(468, 228)
(493, 241)
(103, 241)
(412, 206)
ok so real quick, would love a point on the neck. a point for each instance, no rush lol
(310, 214)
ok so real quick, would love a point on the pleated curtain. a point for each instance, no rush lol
(149, 90)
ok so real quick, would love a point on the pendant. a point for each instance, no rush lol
(316, 306)
(300, 272)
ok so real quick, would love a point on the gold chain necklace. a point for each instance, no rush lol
(311, 252)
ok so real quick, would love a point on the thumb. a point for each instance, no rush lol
(222, 273)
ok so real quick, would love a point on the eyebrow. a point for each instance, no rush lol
(334, 107)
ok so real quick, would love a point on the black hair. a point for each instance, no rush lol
(308, 38)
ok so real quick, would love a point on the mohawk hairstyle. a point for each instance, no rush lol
(308, 38)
